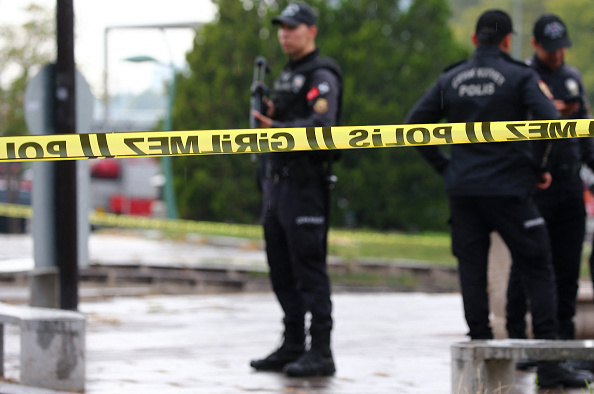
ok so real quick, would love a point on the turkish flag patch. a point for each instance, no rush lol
(545, 89)
(313, 93)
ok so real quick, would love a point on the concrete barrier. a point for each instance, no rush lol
(52, 346)
(489, 366)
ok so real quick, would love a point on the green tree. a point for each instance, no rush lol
(405, 50)
(390, 51)
(23, 50)
(216, 95)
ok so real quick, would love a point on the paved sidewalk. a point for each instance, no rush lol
(383, 343)
(144, 248)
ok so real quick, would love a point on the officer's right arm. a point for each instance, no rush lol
(430, 109)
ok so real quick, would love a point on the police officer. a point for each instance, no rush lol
(295, 198)
(562, 204)
(490, 185)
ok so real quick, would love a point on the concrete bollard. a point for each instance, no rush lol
(53, 354)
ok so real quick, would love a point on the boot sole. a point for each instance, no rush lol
(270, 368)
(562, 385)
(326, 372)
(267, 369)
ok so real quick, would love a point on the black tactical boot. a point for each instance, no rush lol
(317, 361)
(292, 348)
(526, 365)
(581, 364)
(556, 374)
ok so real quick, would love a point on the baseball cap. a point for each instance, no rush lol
(493, 24)
(295, 14)
(551, 33)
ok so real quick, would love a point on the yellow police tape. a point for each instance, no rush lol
(341, 237)
(142, 222)
(208, 142)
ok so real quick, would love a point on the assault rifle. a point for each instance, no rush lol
(258, 90)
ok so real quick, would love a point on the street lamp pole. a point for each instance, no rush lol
(166, 165)
(166, 168)
(162, 27)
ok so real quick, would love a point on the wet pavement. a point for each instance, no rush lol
(383, 343)
(202, 343)
(145, 248)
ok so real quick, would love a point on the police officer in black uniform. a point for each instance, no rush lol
(562, 204)
(490, 185)
(295, 187)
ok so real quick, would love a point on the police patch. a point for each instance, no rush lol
(298, 81)
(572, 87)
(291, 10)
(321, 106)
(545, 90)
(554, 30)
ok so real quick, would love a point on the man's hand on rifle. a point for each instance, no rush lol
(265, 121)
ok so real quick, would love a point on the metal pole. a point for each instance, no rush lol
(105, 82)
(65, 181)
(166, 162)
(518, 13)
(162, 26)
(166, 165)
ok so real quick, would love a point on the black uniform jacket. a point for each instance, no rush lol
(491, 86)
(565, 83)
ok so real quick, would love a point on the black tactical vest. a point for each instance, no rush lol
(289, 94)
(290, 102)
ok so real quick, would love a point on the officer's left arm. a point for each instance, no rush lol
(323, 96)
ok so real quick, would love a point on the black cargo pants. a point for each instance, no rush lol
(522, 228)
(566, 224)
(295, 221)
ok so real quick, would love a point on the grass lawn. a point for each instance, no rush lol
(432, 248)
(351, 245)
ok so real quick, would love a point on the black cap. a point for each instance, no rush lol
(295, 14)
(493, 24)
(551, 33)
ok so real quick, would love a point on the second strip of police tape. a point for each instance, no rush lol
(225, 229)
(209, 142)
